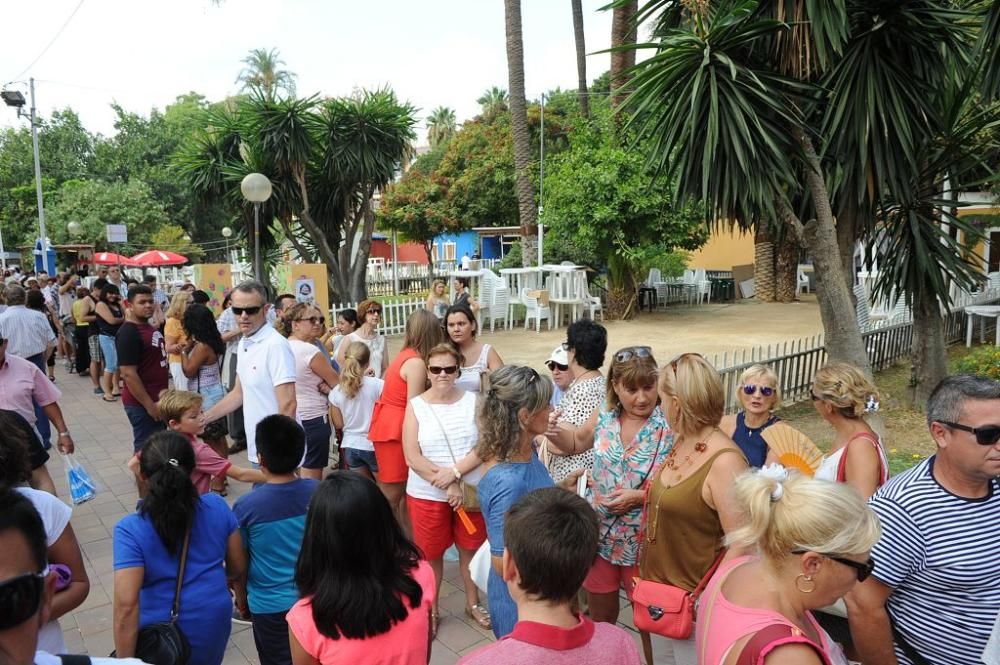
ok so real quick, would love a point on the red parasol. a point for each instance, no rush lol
(112, 259)
(156, 257)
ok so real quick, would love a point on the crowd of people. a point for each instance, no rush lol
(605, 472)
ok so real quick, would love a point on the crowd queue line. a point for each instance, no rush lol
(570, 486)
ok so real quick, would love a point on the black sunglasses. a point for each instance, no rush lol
(315, 320)
(20, 598)
(450, 369)
(627, 354)
(553, 366)
(249, 311)
(864, 570)
(985, 436)
(751, 388)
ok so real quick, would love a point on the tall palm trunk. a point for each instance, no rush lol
(622, 32)
(763, 266)
(527, 211)
(581, 56)
(786, 270)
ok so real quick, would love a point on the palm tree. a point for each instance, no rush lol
(527, 211)
(623, 34)
(493, 102)
(263, 73)
(581, 56)
(440, 125)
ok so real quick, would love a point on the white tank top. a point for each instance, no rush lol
(470, 378)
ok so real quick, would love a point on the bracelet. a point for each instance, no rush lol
(63, 433)
(458, 474)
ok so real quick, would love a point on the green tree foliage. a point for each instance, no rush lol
(95, 203)
(601, 197)
(264, 74)
(440, 125)
(173, 238)
(493, 102)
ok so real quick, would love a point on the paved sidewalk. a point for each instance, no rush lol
(104, 444)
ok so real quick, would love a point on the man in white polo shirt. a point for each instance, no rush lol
(265, 373)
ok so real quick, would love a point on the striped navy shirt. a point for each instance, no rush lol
(940, 554)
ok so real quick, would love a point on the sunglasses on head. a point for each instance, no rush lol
(553, 366)
(435, 370)
(751, 389)
(985, 436)
(20, 597)
(864, 570)
(673, 363)
(249, 311)
(626, 355)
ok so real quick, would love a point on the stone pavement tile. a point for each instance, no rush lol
(243, 641)
(456, 635)
(73, 640)
(90, 534)
(96, 598)
(93, 621)
(99, 644)
(234, 656)
(442, 655)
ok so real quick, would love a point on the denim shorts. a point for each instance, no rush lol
(360, 459)
(143, 425)
(110, 353)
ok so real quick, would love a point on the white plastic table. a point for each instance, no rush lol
(984, 312)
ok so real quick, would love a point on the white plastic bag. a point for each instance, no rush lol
(480, 566)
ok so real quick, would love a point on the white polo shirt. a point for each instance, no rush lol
(266, 361)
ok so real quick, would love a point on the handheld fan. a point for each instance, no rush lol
(793, 449)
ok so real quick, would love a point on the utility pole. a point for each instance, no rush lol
(38, 179)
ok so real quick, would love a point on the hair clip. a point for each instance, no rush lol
(779, 475)
(871, 404)
(172, 462)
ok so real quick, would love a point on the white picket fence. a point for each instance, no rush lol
(394, 314)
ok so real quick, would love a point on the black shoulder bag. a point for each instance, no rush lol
(164, 643)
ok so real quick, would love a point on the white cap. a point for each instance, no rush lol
(559, 356)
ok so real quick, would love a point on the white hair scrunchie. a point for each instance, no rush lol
(871, 405)
(778, 474)
(172, 462)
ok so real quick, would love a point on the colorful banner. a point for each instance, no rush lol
(215, 279)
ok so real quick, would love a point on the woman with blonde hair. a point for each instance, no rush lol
(843, 395)
(314, 379)
(175, 338)
(370, 316)
(439, 437)
(437, 299)
(513, 411)
(631, 438)
(351, 405)
(689, 507)
(810, 542)
(405, 378)
(758, 393)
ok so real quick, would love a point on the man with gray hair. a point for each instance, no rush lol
(28, 330)
(265, 372)
(935, 590)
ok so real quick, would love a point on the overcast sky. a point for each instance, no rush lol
(143, 53)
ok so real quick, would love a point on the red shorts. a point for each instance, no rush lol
(436, 527)
(391, 462)
(605, 577)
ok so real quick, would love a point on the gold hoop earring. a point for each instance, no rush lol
(807, 578)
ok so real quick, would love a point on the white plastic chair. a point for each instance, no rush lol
(534, 310)
(654, 278)
(802, 284)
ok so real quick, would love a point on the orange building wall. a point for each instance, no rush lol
(724, 250)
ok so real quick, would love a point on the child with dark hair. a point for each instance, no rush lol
(365, 593)
(272, 520)
(551, 538)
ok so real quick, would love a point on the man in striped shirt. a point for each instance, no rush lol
(935, 591)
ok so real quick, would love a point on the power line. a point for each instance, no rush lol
(53, 41)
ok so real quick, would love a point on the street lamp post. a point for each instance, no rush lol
(227, 233)
(16, 99)
(256, 188)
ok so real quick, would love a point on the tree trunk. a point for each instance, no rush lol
(786, 270)
(527, 211)
(840, 322)
(622, 33)
(928, 354)
(621, 289)
(763, 266)
(847, 240)
(581, 56)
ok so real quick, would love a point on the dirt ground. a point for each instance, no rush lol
(706, 329)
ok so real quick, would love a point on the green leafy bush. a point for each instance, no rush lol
(983, 361)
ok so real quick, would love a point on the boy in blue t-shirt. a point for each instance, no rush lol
(272, 520)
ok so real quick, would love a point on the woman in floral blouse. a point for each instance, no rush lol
(630, 438)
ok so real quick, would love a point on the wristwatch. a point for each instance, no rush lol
(63, 434)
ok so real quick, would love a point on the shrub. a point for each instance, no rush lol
(982, 361)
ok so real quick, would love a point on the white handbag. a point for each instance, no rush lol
(480, 566)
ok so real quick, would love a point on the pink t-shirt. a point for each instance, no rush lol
(586, 643)
(208, 464)
(404, 644)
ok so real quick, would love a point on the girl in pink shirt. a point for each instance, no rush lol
(366, 594)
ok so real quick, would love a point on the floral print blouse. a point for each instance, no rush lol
(626, 466)
(581, 399)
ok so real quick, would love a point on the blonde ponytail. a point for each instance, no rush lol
(352, 371)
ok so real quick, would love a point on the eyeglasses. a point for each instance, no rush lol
(435, 370)
(249, 311)
(315, 320)
(20, 598)
(553, 366)
(673, 363)
(864, 570)
(751, 389)
(625, 355)
(985, 436)
(815, 397)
